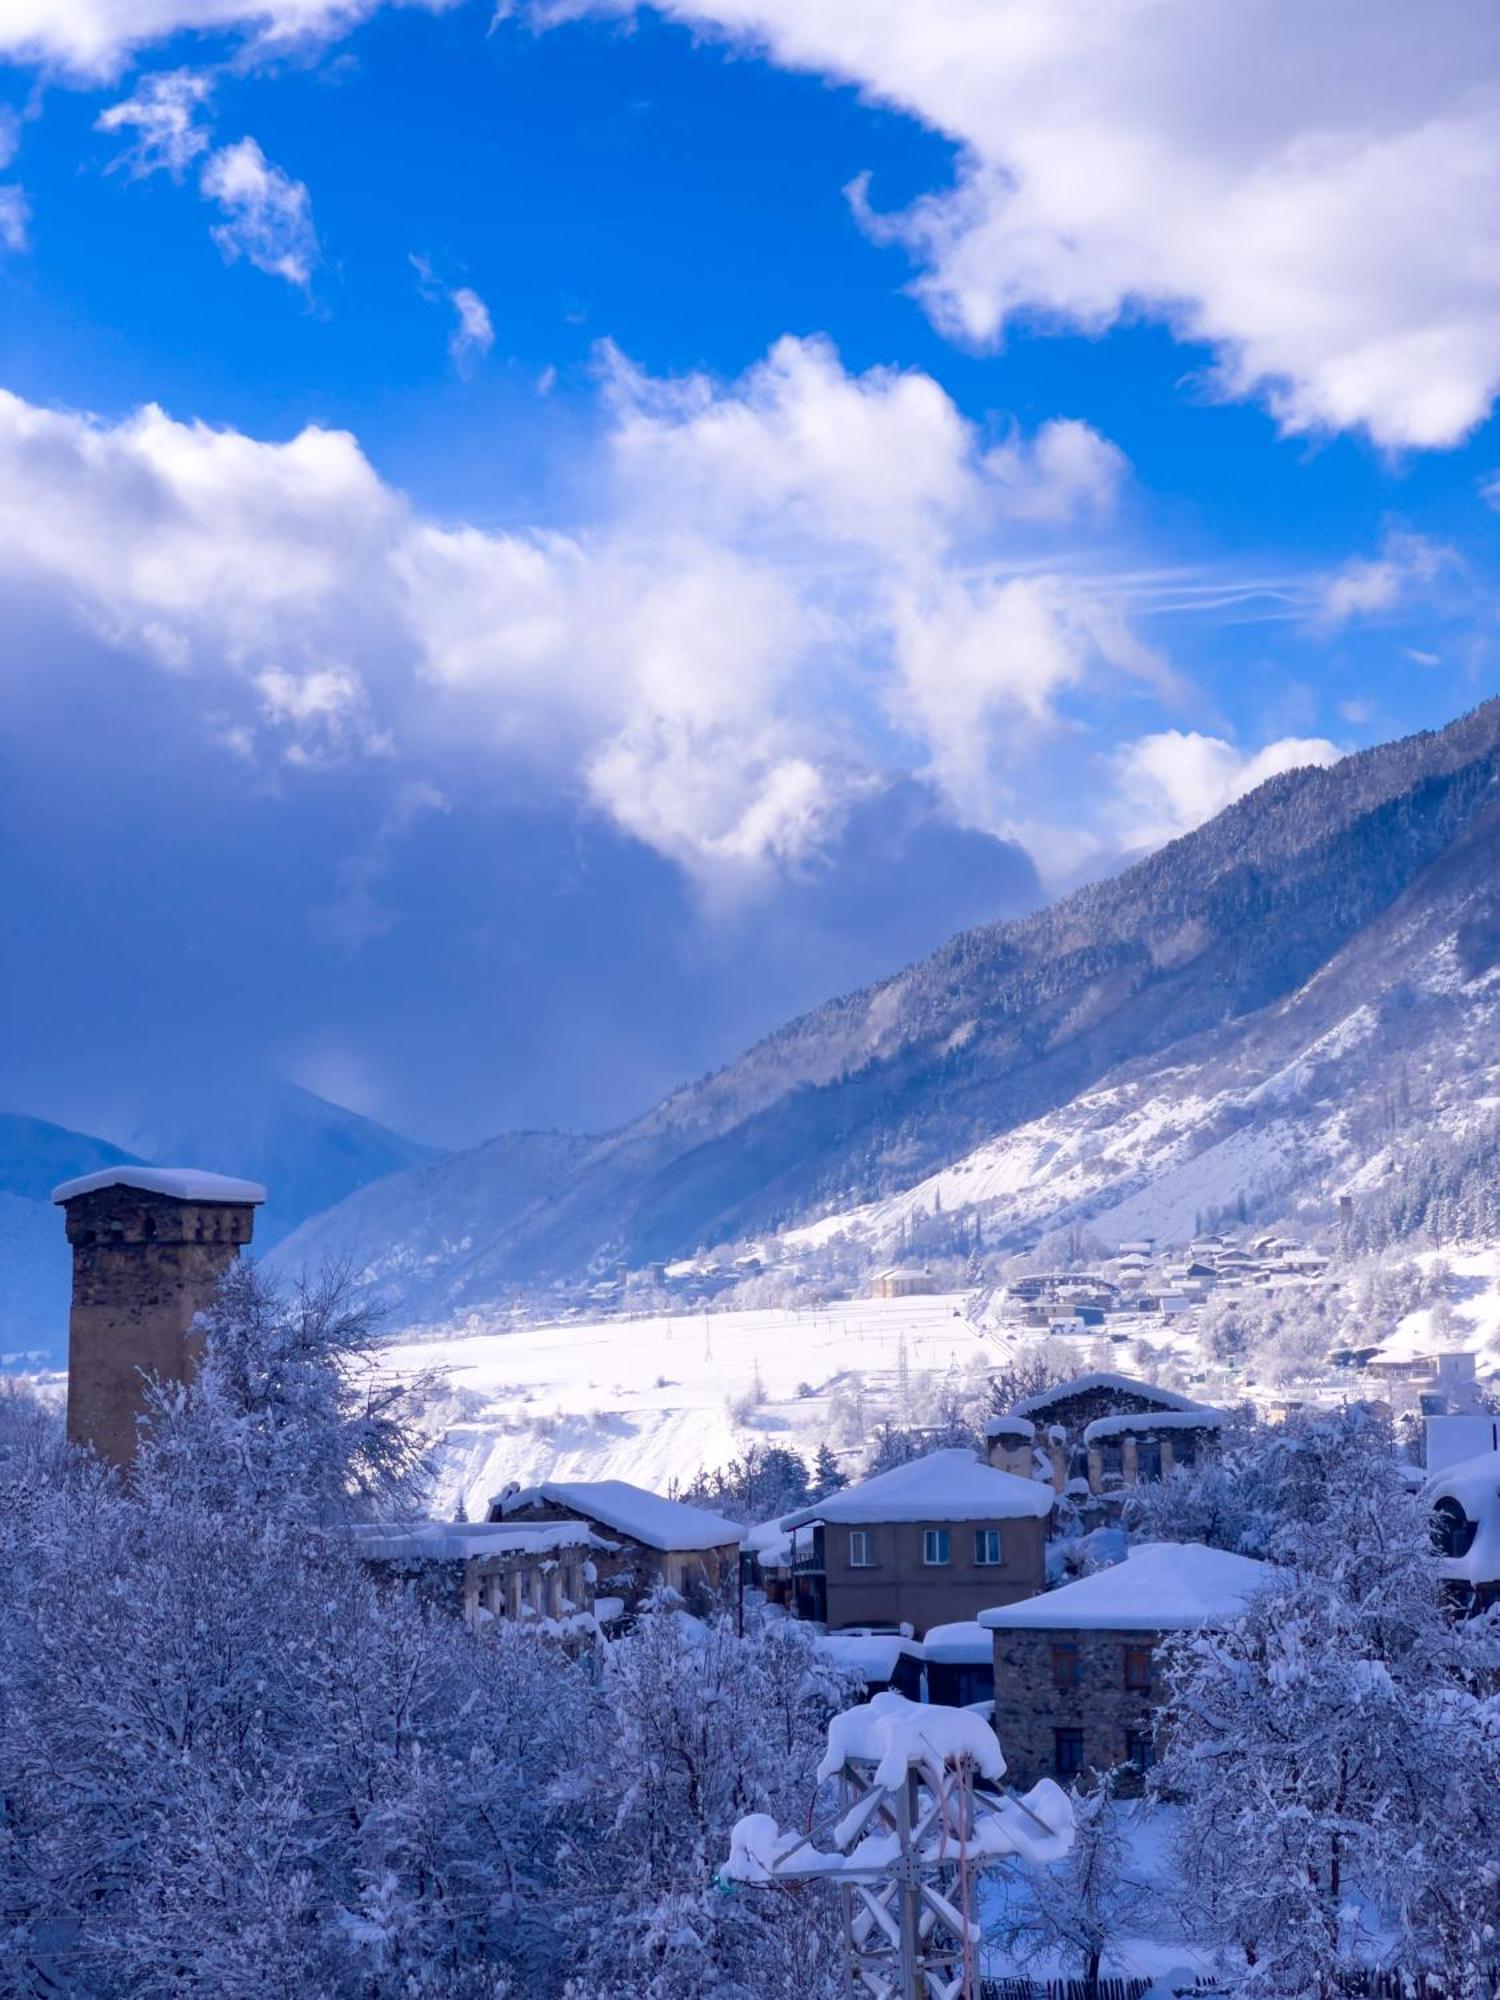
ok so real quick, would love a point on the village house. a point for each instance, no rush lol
(1076, 1686)
(535, 1574)
(928, 1543)
(1465, 1503)
(656, 1542)
(903, 1282)
(1105, 1433)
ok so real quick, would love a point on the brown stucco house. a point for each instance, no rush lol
(937, 1540)
(1076, 1686)
(656, 1541)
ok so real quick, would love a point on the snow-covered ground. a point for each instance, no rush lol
(657, 1401)
(1473, 1316)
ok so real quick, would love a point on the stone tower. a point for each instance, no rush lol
(149, 1246)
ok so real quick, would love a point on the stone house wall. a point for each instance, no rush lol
(1031, 1706)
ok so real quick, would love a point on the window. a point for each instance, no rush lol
(1067, 1752)
(1453, 1531)
(1138, 1750)
(987, 1547)
(861, 1549)
(1148, 1459)
(1138, 1668)
(1185, 1448)
(935, 1546)
(1065, 1665)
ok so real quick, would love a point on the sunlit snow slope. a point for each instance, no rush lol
(649, 1399)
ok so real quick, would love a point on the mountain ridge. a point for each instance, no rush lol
(1004, 1024)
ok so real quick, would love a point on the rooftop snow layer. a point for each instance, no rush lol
(181, 1183)
(965, 1644)
(1160, 1587)
(1080, 1385)
(943, 1486)
(874, 1656)
(1200, 1419)
(631, 1510)
(455, 1541)
(1019, 1427)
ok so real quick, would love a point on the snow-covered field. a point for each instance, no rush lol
(650, 1399)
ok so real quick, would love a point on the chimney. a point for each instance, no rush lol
(149, 1246)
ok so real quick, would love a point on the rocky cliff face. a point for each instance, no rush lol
(1325, 890)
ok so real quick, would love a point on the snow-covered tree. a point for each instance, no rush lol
(704, 1727)
(1066, 1917)
(1327, 1747)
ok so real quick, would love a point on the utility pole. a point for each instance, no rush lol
(918, 1824)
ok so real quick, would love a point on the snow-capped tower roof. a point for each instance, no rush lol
(179, 1183)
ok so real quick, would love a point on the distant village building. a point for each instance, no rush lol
(655, 1542)
(1105, 1432)
(1010, 1445)
(1076, 1684)
(931, 1542)
(150, 1245)
(902, 1282)
(535, 1574)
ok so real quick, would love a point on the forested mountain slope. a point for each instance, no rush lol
(1004, 1026)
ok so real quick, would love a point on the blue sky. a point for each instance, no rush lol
(651, 518)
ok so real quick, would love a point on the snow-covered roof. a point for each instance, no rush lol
(769, 1542)
(181, 1183)
(631, 1510)
(1475, 1484)
(904, 1271)
(943, 1486)
(965, 1644)
(1008, 1427)
(1201, 1419)
(874, 1656)
(456, 1541)
(1081, 1385)
(1160, 1587)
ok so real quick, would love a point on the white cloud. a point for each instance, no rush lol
(15, 218)
(1167, 784)
(474, 335)
(1365, 586)
(1310, 191)
(1489, 490)
(163, 113)
(788, 575)
(94, 38)
(268, 215)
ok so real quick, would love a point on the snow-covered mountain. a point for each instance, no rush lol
(1229, 1015)
(309, 1153)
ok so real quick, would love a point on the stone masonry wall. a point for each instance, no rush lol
(144, 1265)
(1030, 1706)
